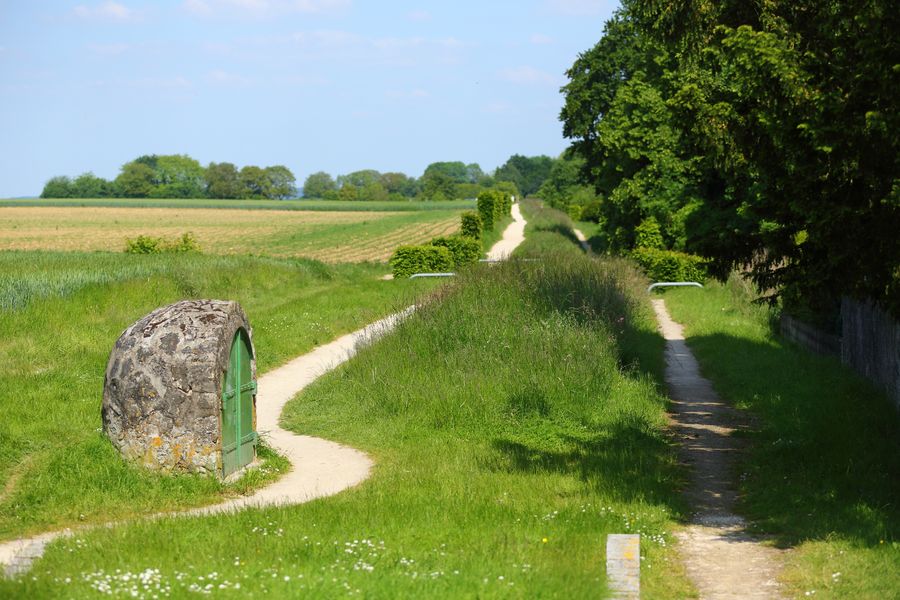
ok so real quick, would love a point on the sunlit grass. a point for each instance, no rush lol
(823, 473)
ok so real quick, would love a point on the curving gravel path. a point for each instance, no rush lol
(513, 235)
(320, 467)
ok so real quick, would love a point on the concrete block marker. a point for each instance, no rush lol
(623, 565)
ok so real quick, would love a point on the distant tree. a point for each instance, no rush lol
(222, 180)
(135, 180)
(88, 185)
(528, 173)
(282, 183)
(360, 178)
(399, 183)
(348, 191)
(254, 183)
(57, 187)
(456, 171)
(178, 176)
(474, 174)
(437, 184)
(319, 185)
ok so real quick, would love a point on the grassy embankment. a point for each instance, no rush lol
(508, 440)
(59, 317)
(823, 471)
(311, 205)
(334, 237)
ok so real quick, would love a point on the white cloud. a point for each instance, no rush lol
(578, 8)
(540, 39)
(164, 83)
(109, 11)
(197, 7)
(528, 76)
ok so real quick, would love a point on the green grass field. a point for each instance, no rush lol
(314, 205)
(509, 436)
(823, 473)
(61, 315)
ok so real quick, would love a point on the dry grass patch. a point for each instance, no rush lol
(330, 236)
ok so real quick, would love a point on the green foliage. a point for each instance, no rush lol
(471, 224)
(740, 127)
(487, 210)
(57, 187)
(669, 265)
(409, 260)
(145, 244)
(648, 235)
(222, 180)
(526, 172)
(465, 250)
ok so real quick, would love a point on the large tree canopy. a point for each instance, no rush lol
(766, 131)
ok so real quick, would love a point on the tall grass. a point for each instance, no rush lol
(56, 468)
(547, 230)
(823, 470)
(508, 443)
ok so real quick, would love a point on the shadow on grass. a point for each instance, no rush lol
(824, 456)
(627, 462)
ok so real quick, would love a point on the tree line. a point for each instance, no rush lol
(761, 135)
(180, 176)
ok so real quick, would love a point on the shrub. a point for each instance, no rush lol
(669, 265)
(409, 260)
(574, 212)
(592, 211)
(145, 244)
(648, 234)
(471, 224)
(465, 250)
(486, 209)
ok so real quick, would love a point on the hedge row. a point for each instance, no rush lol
(440, 255)
(669, 265)
(409, 260)
(471, 224)
(493, 205)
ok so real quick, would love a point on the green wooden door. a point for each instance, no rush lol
(238, 389)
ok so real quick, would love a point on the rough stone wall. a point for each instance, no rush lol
(162, 393)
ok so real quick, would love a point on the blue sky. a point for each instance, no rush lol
(333, 85)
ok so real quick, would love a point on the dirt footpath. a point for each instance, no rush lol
(722, 559)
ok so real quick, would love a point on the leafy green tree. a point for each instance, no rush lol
(254, 183)
(282, 183)
(222, 180)
(437, 185)
(360, 179)
(456, 171)
(319, 185)
(528, 173)
(400, 183)
(135, 180)
(178, 176)
(57, 187)
(88, 185)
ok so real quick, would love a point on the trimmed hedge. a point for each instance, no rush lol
(669, 265)
(486, 210)
(465, 250)
(493, 205)
(471, 224)
(409, 260)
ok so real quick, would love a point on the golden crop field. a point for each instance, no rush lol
(328, 236)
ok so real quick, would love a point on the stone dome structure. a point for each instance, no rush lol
(180, 389)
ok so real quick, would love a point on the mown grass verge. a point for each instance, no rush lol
(61, 315)
(546, 230)
(508, 443)
(315, 205)
(823, 471)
